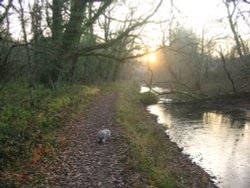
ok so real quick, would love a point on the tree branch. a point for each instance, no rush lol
(99, 12)
(246, 1)
(227, 72)
(83, 50)
(6, 11)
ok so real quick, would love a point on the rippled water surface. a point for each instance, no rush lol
(218, 141)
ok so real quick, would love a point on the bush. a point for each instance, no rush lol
(148, 98)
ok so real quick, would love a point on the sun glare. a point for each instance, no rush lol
(151, 58)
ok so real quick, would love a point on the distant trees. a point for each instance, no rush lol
(185, 60)
(195, 64)
(191, 65)
(236, 13)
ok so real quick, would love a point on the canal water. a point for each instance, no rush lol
(218, 140)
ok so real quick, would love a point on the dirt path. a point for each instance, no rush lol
(85, 163)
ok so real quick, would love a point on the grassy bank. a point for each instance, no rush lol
(26, 133)
(25, 130)
(152, 154)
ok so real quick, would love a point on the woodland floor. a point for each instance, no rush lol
(85, 163)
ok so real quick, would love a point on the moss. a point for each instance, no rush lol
(148, 98)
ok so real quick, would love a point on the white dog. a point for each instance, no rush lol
(103, 135)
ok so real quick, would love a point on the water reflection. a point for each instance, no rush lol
(216, 140)
(162, 98)
(158, 89)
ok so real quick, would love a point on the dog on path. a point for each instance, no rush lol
(103, 135)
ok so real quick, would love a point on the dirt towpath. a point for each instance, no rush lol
(86, 163)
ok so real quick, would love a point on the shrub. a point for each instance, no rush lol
(148, 98)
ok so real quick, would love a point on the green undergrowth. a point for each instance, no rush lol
(150, 151)
(24, 127)
(148, 98)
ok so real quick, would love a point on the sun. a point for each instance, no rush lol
(152, 58)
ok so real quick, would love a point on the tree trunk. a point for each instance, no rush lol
(23, 25)
(56, 26)
(235, 33)
(73, 28)
(227, 73)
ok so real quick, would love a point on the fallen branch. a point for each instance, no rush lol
(194, 96)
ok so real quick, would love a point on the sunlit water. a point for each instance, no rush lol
(218, 141)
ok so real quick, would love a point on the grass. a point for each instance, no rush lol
(151, 153)
(26, 131)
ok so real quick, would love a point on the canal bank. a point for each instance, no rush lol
(216, 136)
(152, 153)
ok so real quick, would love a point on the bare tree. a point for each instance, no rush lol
(6, 10)
(227, 72)
(26, 43)
(231, 7)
